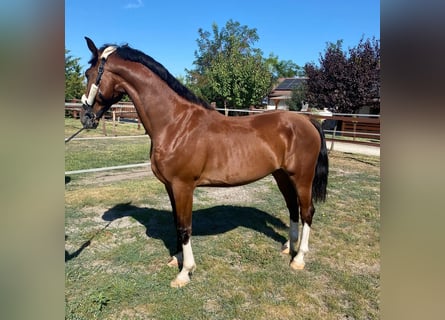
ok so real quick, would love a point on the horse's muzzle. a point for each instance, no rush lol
(89, 120)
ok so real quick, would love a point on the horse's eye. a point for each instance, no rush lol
(87, 74)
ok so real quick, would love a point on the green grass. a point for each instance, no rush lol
(85, 154)
(120, 235)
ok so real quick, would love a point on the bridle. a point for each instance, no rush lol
(88, 102)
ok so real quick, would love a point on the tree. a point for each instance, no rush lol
(282, 68)
(237, 80)
(327, 84)
(229, 70)
(221, 41)
(298, 96)
(365, 70)
(344, 83)
(74, 79)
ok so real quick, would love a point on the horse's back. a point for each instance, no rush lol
(296, 130)
(298, 139)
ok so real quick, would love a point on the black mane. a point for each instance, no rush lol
(128, 53)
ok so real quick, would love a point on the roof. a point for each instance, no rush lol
(284, 88)
(289, 83)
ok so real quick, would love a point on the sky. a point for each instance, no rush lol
(167, 30)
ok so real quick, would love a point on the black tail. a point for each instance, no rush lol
(320, 182)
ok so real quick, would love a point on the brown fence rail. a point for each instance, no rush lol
(361, 129)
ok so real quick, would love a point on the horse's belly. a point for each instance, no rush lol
(234, 171)
(229, 181)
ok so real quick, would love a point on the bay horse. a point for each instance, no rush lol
(194, 145)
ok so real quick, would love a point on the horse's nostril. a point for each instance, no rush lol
(89, 121)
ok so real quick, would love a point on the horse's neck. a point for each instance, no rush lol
(155, 102)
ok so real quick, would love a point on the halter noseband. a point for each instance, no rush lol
(87, 102)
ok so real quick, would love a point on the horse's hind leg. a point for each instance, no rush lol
(307, 212)
(289, 192)
(176, 259)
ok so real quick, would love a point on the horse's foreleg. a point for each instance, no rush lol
(183, 201)
(297, 262)
(188, 267)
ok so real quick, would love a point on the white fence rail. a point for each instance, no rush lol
(125, 166)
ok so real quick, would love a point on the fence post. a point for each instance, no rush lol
(354, 126)
(114, 122)
(103, 125)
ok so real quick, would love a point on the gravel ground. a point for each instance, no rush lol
(354, 148)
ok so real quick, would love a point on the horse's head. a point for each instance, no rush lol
(101, 87)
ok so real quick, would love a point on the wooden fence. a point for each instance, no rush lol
(355, 128)
(361, 129)
(122, 110)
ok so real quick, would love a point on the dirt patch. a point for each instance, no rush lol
(232, 195)
(203, 195)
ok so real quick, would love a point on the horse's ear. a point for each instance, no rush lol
(92, 46)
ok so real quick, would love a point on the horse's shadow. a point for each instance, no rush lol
(211, 221)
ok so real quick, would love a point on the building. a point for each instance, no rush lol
(282, 92)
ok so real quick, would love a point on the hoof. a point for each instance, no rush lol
(173, 262)
(297, 266)
(183, 278)
(285, 250)
(179, 283)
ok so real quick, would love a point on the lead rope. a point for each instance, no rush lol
(68, 139)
